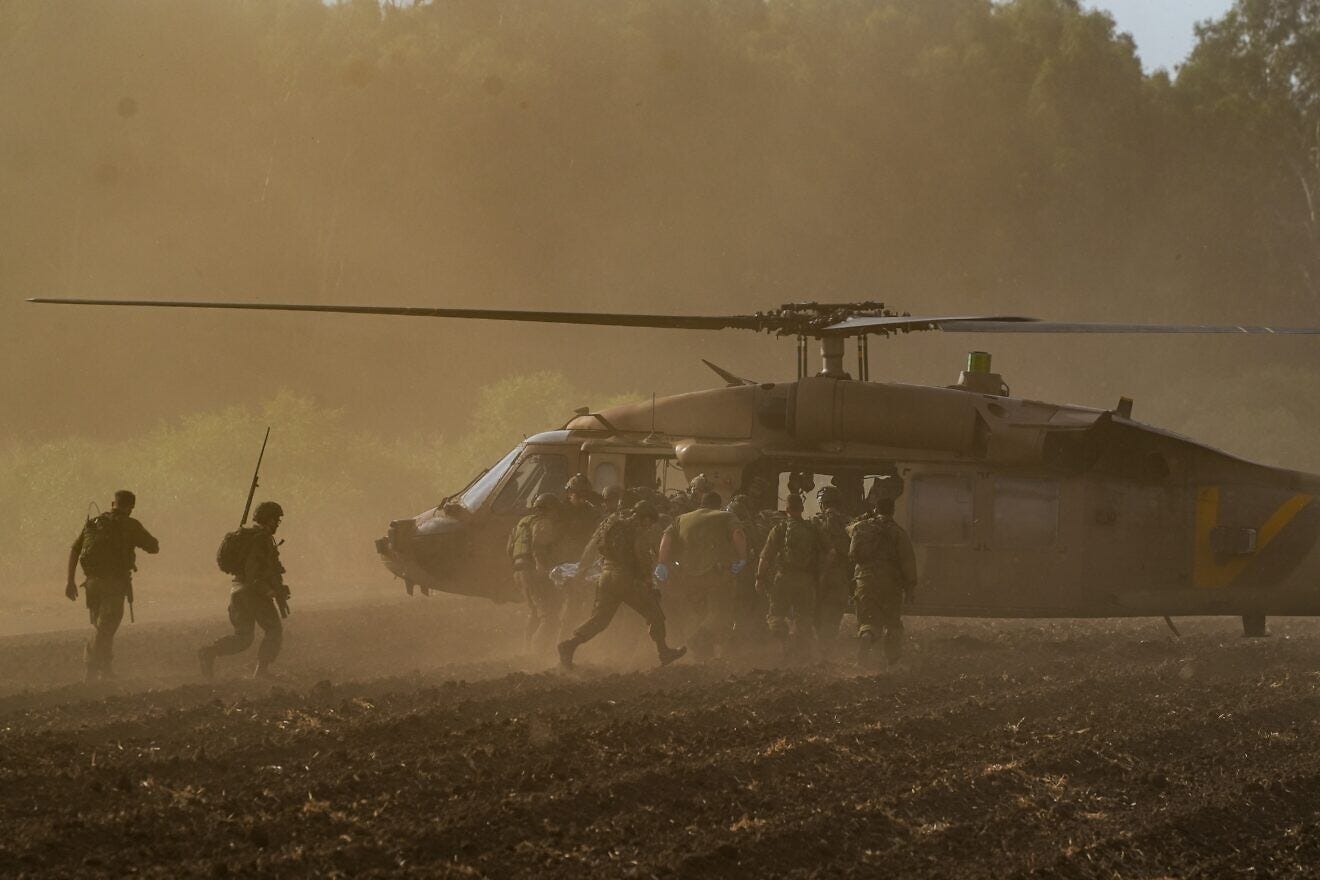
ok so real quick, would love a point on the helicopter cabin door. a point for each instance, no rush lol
(1024, 518)
(938, 509)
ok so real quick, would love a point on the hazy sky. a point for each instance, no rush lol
(1162, 28)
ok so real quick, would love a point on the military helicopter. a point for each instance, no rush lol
(1017, 508)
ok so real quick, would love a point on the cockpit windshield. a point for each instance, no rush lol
(480, 490)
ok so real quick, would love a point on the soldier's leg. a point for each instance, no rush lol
(781, 606)
(891, 619)
(603, 609)
(244, 621)
(805, 608)
(717, 626)
(830, 605)
(547, 602)
(267, 616)
(865, 599)
(109, 614)
(526, 584)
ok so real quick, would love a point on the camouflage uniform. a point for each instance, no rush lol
(534, 549)
(886, 573)
(703, 547)
(108, 589)
(252, 602)
(836, 581)
(793, 558)
(623, 542)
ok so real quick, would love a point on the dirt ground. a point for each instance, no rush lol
(409, 740)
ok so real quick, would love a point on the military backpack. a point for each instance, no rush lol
(231, 557)
(103, 547)
(617, 543)
(801, 550)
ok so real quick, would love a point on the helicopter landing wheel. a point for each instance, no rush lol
(1253, 626)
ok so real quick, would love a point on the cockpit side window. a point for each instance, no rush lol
(537, 472)
(476, 494)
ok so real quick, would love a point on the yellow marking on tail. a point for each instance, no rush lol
(1209, 572)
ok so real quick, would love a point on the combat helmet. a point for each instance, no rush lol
(546, 502)
(267, 511)
(578, 484)
(829, 495)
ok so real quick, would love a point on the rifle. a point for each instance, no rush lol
(252, 490)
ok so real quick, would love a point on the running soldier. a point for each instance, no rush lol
(259, 596)
(708, 549)
(107, 549)
(791, 566)
(836, 581)
(623, 544)
(534, 550)
(886, 574)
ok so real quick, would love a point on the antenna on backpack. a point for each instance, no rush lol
(252, 490)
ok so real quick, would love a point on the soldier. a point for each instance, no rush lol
(533, 549)
(886, 574)
(107, 548)
(624, 546)
(259, 597)
(792, 562)
(690, 499)
(578, 518)
(749, 615)
(836, 582)
(708, 548)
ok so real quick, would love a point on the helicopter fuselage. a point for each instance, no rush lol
(1016, 508)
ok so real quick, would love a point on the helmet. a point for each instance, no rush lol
(699, 486)
(645, 510)
(794, 502)
(579, 485)
(546, 501)
(829, 495)
(267, 511)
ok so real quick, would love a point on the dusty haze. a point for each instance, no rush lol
(697, 157)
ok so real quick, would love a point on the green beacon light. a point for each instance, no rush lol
(978, 362)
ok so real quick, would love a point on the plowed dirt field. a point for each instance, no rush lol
(409, 739)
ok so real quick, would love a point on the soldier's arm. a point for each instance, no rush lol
(591, 552)
(143, 539)
(260, 570)
(770, 552)
(666, 555)
(740, 541)
(71, 586)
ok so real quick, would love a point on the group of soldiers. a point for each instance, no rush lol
(733, 575)
(106, 549)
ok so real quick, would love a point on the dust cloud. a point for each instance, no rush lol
(701, 157)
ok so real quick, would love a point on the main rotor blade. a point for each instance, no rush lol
(663, 322)
(983, 326)
(906, 323)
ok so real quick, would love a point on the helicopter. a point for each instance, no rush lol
(1016, 508)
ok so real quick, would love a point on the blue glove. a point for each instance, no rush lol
(738, 566)
(661, 572)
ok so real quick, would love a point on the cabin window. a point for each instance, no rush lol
(604, 475)
(1026, 512)
(941, 508)
(536, 473)
(476, 494)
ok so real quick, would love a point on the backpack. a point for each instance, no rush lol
(231, 557)
(520, 540)
(617, 541)
(103, 552)
(801, 545)
(871, 541)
